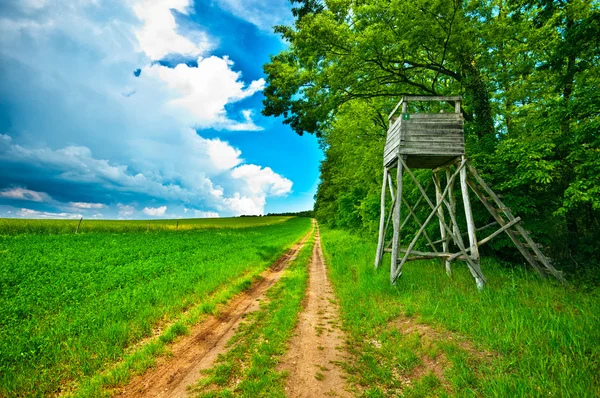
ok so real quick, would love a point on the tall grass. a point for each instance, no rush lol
(71, 304)
(530, 337)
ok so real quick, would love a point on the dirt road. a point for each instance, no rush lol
(318, 345)
(198, 350)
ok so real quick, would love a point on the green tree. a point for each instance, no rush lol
(528, 71)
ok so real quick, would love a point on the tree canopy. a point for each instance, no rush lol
(528, 70)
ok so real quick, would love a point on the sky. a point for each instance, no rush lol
(144, 109)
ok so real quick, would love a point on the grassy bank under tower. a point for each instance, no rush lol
(70, 305)
(434, 336)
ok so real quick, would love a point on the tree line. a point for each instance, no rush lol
(528, 71)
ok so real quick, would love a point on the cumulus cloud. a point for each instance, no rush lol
(205, 214)
(155, 211)
(84, 205)
(125, 211)
(160, 36)
(139, 148)
(203, 92)
(262, 180)
(29, 213)
(24, 194)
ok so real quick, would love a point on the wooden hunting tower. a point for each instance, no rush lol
(436, 141)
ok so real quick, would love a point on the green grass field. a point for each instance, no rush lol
(12, 226)
(520, 337)
(72, 304)
(74, 307)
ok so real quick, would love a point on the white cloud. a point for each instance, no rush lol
(155, 211)
(28, 213)
(84, 205)
(204, 91)
(205, 214)
(142, 144)
(125, 211)
(262, 180)
(246, 205)
(159, 35)
(223, 155)
(24, 194)
(263, 14)
(249, 184)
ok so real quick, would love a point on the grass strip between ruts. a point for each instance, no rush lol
(249, 367)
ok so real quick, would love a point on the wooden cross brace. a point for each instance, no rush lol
(449, 231)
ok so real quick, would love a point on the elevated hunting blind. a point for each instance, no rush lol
(436, 141)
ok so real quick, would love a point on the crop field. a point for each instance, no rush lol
(72, 304)
(19, 226)
(84, 314)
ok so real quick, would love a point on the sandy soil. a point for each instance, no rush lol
(198, 350)
(318, 345)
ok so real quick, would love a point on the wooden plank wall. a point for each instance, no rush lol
(426, 135)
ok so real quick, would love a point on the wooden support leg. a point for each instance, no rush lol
(470, 223)
(381, 241)
(438, 200)
(452, 210)
(469, 214)
(431, 215)
(396, 221)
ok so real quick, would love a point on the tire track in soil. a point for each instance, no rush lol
(317, 347)
(198, 351)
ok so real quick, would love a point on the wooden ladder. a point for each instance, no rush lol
(513, 228)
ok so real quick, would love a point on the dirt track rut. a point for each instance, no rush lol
(317, 348)
(198, 350)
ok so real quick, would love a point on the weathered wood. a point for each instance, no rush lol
(414, 208)
(444, 240)
(441, 98)
(436, 141)
(499, 231)
(451, 201)
(396, 108)
(381, 240)
(477, 230)
(396, 221)
(544, 260)
(407, 125)
(417, 255)
(468, 213)
(398, 271)
(436, 116)
(474, 267)
(424, 136)
(510, 233)
(391, 185)
(78, 225)
(410, 210)
(446, 166)
(387, 223)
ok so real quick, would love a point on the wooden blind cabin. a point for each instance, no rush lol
(436, 141)
(428, 140)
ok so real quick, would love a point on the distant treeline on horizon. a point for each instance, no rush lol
(306, 213)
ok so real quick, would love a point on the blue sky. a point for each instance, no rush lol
(145, 109)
